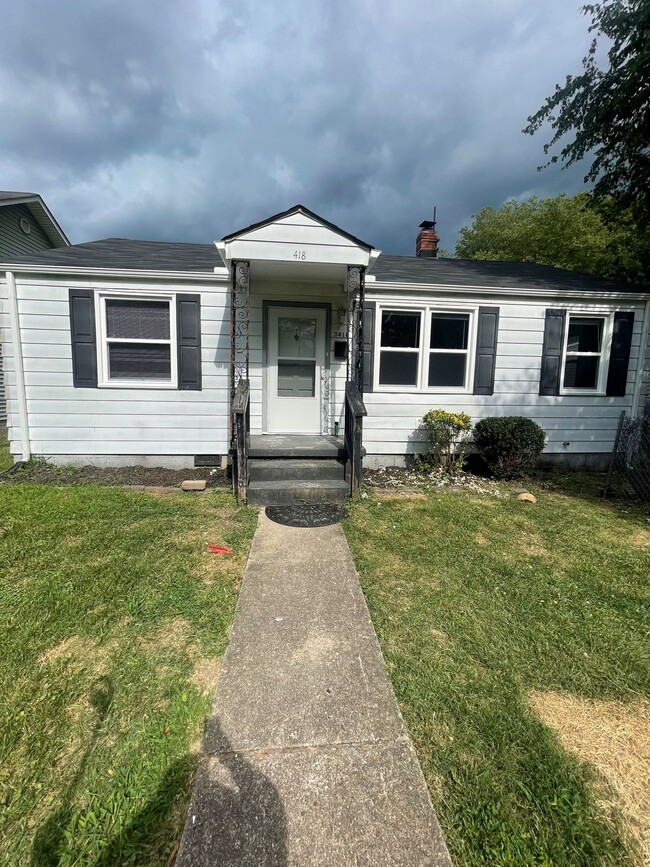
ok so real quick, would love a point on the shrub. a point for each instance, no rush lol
(447, 434)
(510, 446)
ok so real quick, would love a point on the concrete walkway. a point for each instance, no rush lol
(307, 761)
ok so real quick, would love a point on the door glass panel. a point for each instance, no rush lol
(296, 378)
(296, 337)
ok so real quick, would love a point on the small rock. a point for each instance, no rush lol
(527, 498)
(193, 485)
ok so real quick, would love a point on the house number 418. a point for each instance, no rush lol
(300, 254)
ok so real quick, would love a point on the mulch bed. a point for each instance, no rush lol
(401, 478)
(42, 473)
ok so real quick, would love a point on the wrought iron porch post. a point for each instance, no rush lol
(239, 331)
(355, 289)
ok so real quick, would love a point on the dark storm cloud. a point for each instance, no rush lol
(188, 120)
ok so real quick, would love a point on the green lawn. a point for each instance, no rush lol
(486, 606)
(5, 455)
(113, 618)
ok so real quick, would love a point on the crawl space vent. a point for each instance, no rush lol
(207, 460)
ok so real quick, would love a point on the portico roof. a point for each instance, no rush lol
(297, 244)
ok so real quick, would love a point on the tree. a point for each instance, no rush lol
(608, 110)
(570, 232)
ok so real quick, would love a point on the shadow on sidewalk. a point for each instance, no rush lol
(237, 816)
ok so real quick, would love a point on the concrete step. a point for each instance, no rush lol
(289, 446)
(291, 492)
(283, 469)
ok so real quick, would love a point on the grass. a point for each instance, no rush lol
(113, 618)
(491, 613)
(6, 460)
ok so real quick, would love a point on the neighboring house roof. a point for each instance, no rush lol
(298, 209)
(39, 211)
(123, 254)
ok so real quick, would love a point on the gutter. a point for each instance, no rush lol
(523, 291)
(17, 351)
(197, 276)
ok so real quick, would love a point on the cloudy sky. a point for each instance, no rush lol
(187, 119)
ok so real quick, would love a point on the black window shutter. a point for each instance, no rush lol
(369, 309)
(486, 350)
(84, 343)
(188, 328)
(551, 372)
(619, 359)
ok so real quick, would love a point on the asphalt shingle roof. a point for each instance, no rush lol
(120, 253)
(503, 275)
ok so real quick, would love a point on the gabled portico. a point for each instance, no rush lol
(297, 305)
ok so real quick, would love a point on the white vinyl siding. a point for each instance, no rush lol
(123, 421)
(585, 422)
(132, 421)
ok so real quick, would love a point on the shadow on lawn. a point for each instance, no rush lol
(247, 818)
(51, 834)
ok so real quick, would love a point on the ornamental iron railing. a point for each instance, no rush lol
(355, 289)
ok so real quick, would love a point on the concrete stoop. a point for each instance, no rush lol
(288, 470)
(306, 760)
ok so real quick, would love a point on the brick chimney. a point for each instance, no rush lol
(426, 245)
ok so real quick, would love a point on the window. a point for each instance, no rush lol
(426, 349)
(138, 341)
(448, 350)
(399, 354)
(584, 364)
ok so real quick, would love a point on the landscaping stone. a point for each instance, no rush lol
(193, 485)
(527, 498)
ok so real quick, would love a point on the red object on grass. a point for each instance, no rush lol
(219, 549)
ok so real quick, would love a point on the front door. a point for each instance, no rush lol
(296, 357)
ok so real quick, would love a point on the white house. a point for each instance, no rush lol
(297, 347)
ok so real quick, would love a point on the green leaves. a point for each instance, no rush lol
(575, 233)
(608, 108)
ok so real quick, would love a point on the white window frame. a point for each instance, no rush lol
(605, 349)
(424, 350)
(103, 379)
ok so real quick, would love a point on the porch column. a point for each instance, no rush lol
(355, 289)
(239, 330)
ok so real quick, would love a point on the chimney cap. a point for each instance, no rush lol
(427, 224)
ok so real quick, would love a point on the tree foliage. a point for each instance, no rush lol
(572, 232)
(608, 109)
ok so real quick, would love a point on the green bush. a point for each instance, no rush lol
(510, 446)
(447, 434)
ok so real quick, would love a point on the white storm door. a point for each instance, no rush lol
(296, 357)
